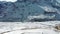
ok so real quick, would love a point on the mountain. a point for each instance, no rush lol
(22, 9)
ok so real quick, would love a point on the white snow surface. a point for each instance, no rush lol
(28, 27)
(9, 0)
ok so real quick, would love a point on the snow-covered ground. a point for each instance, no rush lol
(28, 27)
(9, 0)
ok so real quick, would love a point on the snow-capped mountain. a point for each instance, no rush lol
(22, 9)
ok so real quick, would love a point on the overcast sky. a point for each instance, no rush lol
(9, 0)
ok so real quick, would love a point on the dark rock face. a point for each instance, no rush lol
(2, 10)
(21, 9)
(57, 26)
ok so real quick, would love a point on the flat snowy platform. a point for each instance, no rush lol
(28, 27)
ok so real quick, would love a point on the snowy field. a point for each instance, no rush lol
(29, 27)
